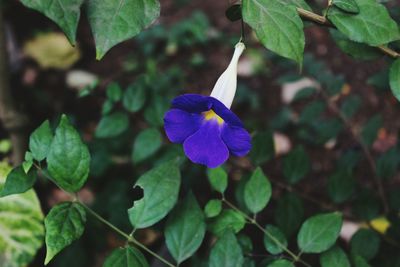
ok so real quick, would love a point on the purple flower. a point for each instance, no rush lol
(205, 126)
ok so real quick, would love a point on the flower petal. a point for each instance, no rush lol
(225, 113)
(192, 103)
(237, 140)
(179, 124)
(206, 146)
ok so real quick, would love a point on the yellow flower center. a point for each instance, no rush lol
(211, 115)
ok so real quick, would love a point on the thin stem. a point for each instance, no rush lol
(311, 16)
(270, 236)
(137, 243)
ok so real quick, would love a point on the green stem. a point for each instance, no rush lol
(137, 243)
(270, 236)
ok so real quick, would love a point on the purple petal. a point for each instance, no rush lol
(206, 146)
(225, 113)
(179, 124)
(192, 103)
(237, 140)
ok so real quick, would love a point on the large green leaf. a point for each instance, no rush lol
(319, 232)
(257, 191)
(334, 257)
(21, 227)
(226, 252)
(68, 159)
(185, 229)
(146, 144)
(113, 22)
(160, 188)
(277, 25)
(126, 257)
(40, 141)
(65, 13)
(18, 181)
(394, 78)
(372, 25)
(64, 224)
(112, 125)
(297, 3)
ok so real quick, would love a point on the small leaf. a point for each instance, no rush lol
(226, 252)
(64, 224)
(160, 192)
(18, 182)
(289, 213)
(146, 144)
(21, 224)
(372, 25)
(257, 191)
(234, 13)
(65, 13)
(334, 257)
(270, 245)
(114, 22)
(277, 25)
(213, 208)
(349, 6)
(126, 257)
(319, 232)
(341, 185)
(134, 97)
(263, 148)
(112, 125)
(370, 129)
(296, 165)
(365, 243)
(114, 92)
(394, 78)
(281, 263)
(228, 219)
(185, 229)
(28, 162)
(218, 179)
(68, 160)
(40, 141)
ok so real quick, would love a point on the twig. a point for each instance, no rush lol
(321, 20)
(13, 120)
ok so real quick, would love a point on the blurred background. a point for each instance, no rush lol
(117, 104)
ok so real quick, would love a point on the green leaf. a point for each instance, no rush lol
(296, 165)
(65, 13)
(114, 92)
(134, 97)
(112, 125)
(146, 144)
(370, 129)
(64, 224)
(21, 224)
(356, 50)
(113, 22)
(289, 213)
(40, 141)
(387, 164)
(394, 78)
(359, 261)
(365, 243)
(350, 105)
(226, 252)
(18, 181)
(341, 185)
(263, 148)
(366, 205)
(281, 263)
(319, 232)
(277, 25)
(270, 245)
(297, 3)
(372, 25)
(213, 208)
(334, 257)
(160, 189)
(28, 162)
(349, 6)
(185, 229)
(218, 179)
(68, 160)
(228, 219)
(257, 191)
(154, 112)
(126, 257)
